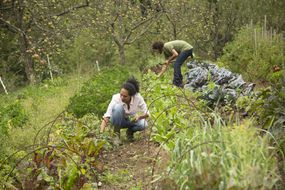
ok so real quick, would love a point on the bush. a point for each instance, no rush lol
(96, 93)
(254, 53)
(11, 116)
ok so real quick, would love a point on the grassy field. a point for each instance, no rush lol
(42, 103)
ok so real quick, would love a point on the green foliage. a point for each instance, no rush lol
(72, 173)
(41, 104)
(120, 177)
(207, 153)
(254, 53)
(171, 108)
(80, 54)
(139, 57)
(220, 157)
(11, 67)
(267, 107)
(12, 116)
(96, 93)
(250, 105)
(69, 158)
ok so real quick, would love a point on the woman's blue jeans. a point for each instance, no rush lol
(120, 120)
(178, 78)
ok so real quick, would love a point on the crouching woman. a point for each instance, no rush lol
(127, 109)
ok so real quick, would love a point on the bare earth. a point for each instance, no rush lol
(134, 166)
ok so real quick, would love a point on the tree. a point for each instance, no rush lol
(33, 22)
(124, 21)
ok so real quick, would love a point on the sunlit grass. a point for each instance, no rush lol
(42, 104)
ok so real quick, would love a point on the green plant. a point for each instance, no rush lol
(97, 92)
(66, 158)
(223, 157)
(171, 108)
(120, 176)
(253, 53)
(12, 115)
(208, 152)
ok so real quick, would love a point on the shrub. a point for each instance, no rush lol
(254, 53)
(12, 115)
(96, 93)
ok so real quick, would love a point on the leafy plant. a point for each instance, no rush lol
(66, 160)
(206, 151)
(171, 108)
(97, 92)
(12, 115)
(251, 55)
(223, 157)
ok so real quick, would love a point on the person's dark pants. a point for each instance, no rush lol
(119, 120)
(178, 78)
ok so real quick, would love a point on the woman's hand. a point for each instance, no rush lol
(104, 123)
(163, 69)
(139, 117)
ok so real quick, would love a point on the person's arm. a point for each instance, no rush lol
(139, 117)
(163, 69)
(172, 57)
(107, 115)
(104, 123)
(143, 107)
(167, 62)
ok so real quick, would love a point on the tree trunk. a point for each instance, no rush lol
(216, 48)
(24, 44)
(27, 59)
(122, 54)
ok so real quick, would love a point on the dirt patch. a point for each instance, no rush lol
(133, 165)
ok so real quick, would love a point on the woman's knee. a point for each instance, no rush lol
(117, 114)
(141, 124)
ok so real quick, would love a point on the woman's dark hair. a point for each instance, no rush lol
(132, 86)
(158, 46)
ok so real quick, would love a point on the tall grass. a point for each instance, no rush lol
(224, 157)
(42, 104)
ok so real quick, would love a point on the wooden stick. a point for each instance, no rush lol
(282, 55)
(49, 67)
(265, 27)
(97, 63)
(3, 86)
(255, 42)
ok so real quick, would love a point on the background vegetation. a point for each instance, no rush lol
(61, 61)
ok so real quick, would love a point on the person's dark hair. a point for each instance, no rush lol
(132, 86)
(158, 46)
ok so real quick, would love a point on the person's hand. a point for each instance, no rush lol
(167, 63)
(137, 117)
(104, 124)
(163, 69)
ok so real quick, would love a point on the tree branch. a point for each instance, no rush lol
(139, 35)
(113, 31)
(11, 27)
(86, 4)
(138, 25)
